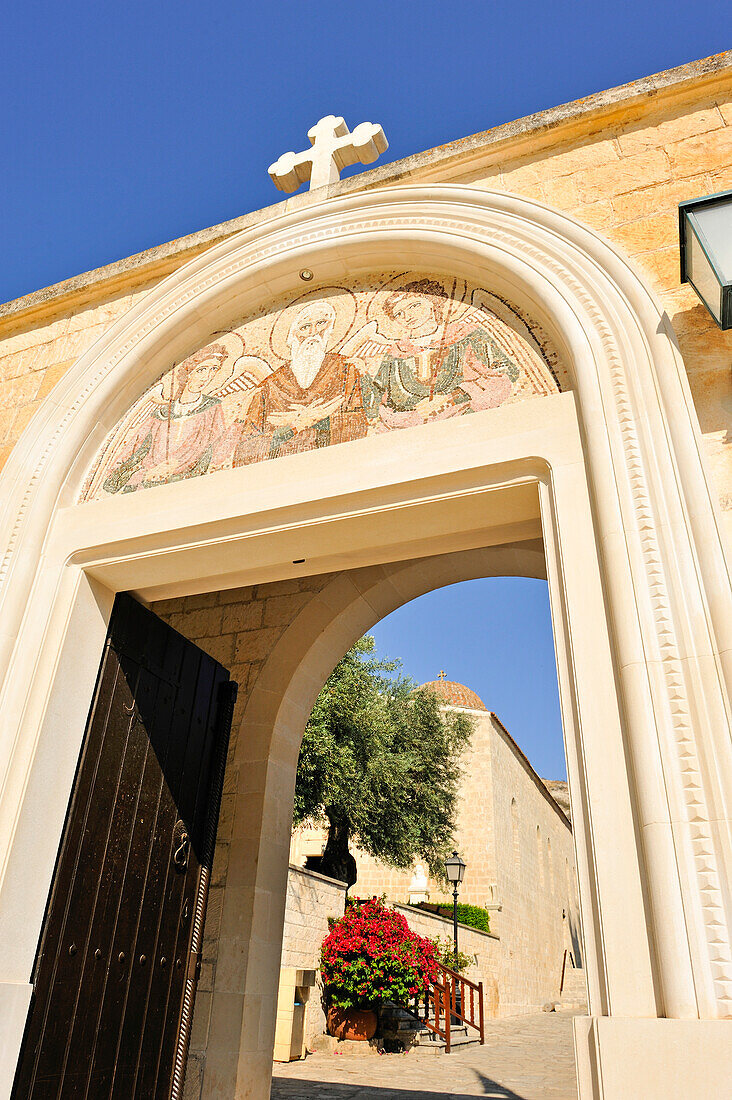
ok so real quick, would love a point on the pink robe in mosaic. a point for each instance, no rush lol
(172, 444)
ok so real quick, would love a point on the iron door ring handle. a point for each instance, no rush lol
(180, 855)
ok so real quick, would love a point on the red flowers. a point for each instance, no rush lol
(371, 955)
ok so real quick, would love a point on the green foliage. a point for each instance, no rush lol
(380, 765)
(445, 954)
(371, 955)
(473, 915)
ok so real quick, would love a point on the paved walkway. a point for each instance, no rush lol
(524, 1058)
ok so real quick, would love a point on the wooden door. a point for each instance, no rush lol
(119, 954)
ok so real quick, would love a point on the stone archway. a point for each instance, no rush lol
(623, 451)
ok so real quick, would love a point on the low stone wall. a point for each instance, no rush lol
(311, 899)
(484, 947)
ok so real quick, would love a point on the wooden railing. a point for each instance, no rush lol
(567, 954)
(453, 1000)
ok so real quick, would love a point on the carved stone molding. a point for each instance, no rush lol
(609, 321)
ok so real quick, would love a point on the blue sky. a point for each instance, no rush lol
(495, 636)
(127, 125)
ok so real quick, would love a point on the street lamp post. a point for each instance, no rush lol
(455, 871)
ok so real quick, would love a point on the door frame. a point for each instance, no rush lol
(626, 474)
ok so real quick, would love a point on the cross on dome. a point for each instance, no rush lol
(334, 148)
(443, 674)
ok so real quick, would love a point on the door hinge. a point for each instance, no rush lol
(194, 967)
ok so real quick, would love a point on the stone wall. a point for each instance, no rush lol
(473, 836)
(527, 884)
(536, 882)
(483, 947)
(239, 628)
(311, 900)
(34, 357)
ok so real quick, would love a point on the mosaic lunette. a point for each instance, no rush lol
(332, 365)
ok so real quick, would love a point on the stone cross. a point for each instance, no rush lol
(334, 148)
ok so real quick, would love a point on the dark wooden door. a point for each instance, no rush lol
(119, 955)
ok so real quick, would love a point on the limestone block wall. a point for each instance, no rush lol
(485, 949)
(536, 882)
(311, 900)
(473, 836)
(35, 355)
(519, 851)
(625, 178)
(238, 628)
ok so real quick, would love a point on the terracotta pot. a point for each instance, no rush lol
(351, 1023)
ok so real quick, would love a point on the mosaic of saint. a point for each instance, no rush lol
(334, 364)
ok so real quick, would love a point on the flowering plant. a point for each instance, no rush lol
(371, 955)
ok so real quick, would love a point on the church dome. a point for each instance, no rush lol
(454, 694)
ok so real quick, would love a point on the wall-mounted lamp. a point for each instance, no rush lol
(705, 235)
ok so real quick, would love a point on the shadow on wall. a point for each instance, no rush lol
(575, 940)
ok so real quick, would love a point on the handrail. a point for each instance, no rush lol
(564, 967)
(440, 997)
(450, 1003)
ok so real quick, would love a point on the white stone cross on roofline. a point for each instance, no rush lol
(334, 148)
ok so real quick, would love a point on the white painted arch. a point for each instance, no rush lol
(661, 562)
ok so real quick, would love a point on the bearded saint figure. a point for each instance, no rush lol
(180, 438)
(311, 401)
(437, 368)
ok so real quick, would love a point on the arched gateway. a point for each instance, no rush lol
(580, 457)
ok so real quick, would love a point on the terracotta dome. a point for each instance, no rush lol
(456, 695)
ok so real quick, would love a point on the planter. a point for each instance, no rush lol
(351, 1023)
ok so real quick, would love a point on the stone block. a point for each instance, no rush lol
(22, 418)
(353, 1048)
(701, 154)
(203, 623)
(221, 648)
(322, 1044)
(655, 135)
(661, 198)
(194, 1076)
(561, 191)
(623, 175)
(244, 615)
(593, 154)
(220, 864)
(256, 644)
(204, 599)
(648, 234)
(281, 610)
(201, 1019)
(285, 588)
(662, 266)
(597, 215)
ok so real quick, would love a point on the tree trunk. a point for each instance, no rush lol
(337, 860)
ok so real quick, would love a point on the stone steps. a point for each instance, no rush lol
(403, 1025)
(429, 1043)
(574, 994)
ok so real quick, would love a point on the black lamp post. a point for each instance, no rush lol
(455, 871)
(705, 232)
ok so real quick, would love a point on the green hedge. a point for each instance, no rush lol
(473, 915)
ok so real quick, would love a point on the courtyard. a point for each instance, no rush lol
(524, 1058)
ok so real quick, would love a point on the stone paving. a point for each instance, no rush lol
(524, 1058)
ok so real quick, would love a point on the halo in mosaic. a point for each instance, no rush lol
(334, 364)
